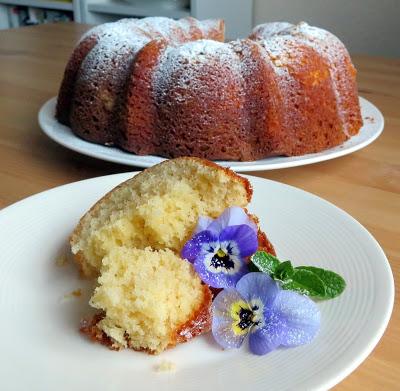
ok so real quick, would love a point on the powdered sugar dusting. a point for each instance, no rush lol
(279, 55)
(333, 51)
(161, 27)
(186, 24)
(115, 45)
(103, 74)
(208, 26)
(267, 30)
(186, 66)
(199, 51)
(193, 329)
(324, 43)
(112, 28)
(247, 62)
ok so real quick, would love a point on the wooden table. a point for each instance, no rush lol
(366, 184)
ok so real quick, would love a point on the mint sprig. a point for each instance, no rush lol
(308, 280)
(334, 283)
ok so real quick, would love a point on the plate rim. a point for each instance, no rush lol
(352, 363)
(122, 157)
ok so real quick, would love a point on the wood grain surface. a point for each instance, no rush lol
(366, 184)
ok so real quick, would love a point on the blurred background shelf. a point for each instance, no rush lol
(365, 26)
(139, 9)
(238, 14)
(52, 5)
(18, 13)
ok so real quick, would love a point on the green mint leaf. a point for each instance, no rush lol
(284, 271)
(334, 284)
(305, 282)
(264, 262)
(308, 280)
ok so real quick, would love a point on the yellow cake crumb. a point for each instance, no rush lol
(146, 295)
(165, 366)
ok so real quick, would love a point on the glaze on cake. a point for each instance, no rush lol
(173, 88)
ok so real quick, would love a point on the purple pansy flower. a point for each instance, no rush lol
(219, 247)
(272, 317)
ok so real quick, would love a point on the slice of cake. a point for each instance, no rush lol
(157, 208)
(148, 296)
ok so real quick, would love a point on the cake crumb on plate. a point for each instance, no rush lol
(165, 366)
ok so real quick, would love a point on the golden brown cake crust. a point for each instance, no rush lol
(137, 121)
(200, 322)
(89, 327)
(67, 87)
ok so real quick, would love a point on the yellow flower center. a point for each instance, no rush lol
(221, 253)
(242, 316)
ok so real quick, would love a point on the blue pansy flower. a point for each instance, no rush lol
(219, 247)
(272, 317)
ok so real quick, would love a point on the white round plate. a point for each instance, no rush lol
(372, 128)
(42, 348)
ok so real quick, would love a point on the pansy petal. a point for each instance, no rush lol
(243, 236)
(202, 224)
(232, 216)
(258, 286)
(300, 315)
(192, 249)
(222, 320)
(221, 279)
(267, 338)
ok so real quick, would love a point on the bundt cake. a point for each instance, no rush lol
(148, 296)
(94, 89)
(174, 88)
